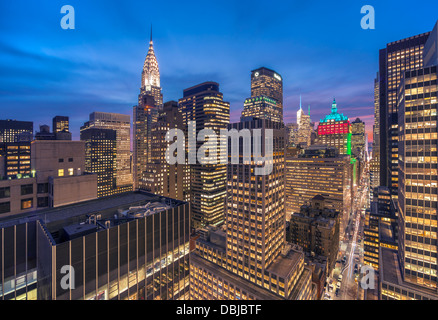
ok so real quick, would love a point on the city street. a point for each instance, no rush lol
(351, 249)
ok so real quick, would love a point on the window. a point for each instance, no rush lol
(70, 159)
(60, 160)
(26, 189)
(26, 204)
(43, 187)
(43, 202)
(5, 207)
(70, 171)
(60, 172)
(5, 192)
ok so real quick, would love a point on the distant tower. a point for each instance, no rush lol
(150, 76)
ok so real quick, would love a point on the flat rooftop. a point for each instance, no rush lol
(230, 277)
(390, 273)
(284, 265)
(74, 213)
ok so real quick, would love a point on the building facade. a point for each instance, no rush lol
(203, 108)
(267, 82)
(335, 130)
(248, 258)
(319, 170)
(315, 228)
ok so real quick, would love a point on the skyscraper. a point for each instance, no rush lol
(121, 124)
(335, 130)
(305, 127)
(203, 108)
(101, 158)
(267, 82)
(375, 160)
(358, 141)
(145, 113)
(416, 259)
(398, 57)
(319, 170)
(150, 77)
(170, 180)
(248, 258)
(418, 182)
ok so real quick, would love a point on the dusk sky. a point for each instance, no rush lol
(318, 47)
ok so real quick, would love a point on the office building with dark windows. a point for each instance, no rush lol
(130, 246)
(203, 108)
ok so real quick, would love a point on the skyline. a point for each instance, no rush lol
(78, 74)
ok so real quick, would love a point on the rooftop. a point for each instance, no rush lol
(107, 207)
(284, 265)
(390, 273)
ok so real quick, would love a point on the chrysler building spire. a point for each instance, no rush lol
(150, 76)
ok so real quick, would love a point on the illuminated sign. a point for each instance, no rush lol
(276, 76)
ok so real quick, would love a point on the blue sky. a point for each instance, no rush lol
(317, 46)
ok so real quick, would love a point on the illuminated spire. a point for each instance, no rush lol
(151, 74)
(334, 107)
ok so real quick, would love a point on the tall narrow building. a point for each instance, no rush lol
(375, 160)
(305, 127)
(416, 259)
(150, 77)
(170, 180)
(398, 56)
(145, 113)
(203, 108)
(100, 158)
